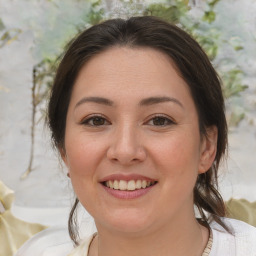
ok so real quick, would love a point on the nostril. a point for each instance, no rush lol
(126, 149)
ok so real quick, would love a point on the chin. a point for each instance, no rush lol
(126, 221)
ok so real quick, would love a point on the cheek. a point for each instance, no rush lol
(176, 159)
(83, 153)
(177, 153)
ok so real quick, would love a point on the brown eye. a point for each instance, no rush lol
(98, 121)
(160, 121)
(95, 121)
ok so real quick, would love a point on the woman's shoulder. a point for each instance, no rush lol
(238, 228)
(239, 242)
(53, 241)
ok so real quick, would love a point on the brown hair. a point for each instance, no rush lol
(193, 65)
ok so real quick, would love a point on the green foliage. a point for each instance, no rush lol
(236, 43)
(44, 71)
(212, 3)
(236, 116)
(171, 12)
(96, 13)
(2, 26)
(233, 83)
(210, 15)
(208, 42)
(43, 74)
(233, 87)
(177, 12)
(8, 36)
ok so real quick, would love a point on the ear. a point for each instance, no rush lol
(64, 158)
(208, 149)
(63, 155)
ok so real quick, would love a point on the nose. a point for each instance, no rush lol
(126, 147)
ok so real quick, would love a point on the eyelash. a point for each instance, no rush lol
(94, 118)
(167, 121)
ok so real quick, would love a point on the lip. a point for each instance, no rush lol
(124, 194)
(126, 177)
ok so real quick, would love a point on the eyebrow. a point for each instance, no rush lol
(157, 100)
(98, 100)
(145, 102)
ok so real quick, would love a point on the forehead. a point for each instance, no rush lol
(135, 72)
(126, 60)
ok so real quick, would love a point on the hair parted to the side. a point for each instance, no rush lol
(191, 62)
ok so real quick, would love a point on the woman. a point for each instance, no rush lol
(137, 114)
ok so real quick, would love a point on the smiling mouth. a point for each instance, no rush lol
(130, 185)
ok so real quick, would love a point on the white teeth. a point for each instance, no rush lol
(116, 184)
(130, 185)
(111, 185)
(138, 184)
(123, 185)
(144, 184)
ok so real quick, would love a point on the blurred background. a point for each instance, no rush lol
(33, 34)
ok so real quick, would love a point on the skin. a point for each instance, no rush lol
(128, 138)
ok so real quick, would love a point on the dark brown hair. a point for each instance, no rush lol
(191, 62)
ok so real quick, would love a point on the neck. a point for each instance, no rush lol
(188, 239)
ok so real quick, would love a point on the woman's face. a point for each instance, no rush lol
(132, 124)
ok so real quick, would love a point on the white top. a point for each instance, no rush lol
(55, 242)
